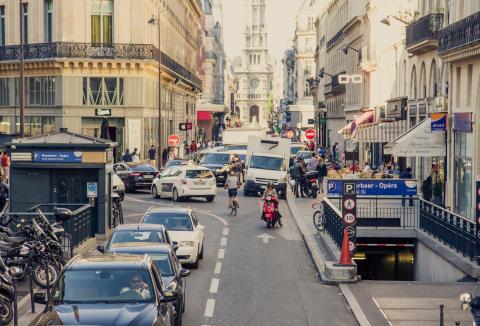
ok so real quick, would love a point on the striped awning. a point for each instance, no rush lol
(383, 132)
(350, 129)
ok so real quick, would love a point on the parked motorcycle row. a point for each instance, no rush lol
(35, 248)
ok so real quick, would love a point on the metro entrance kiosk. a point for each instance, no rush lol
(63, 168)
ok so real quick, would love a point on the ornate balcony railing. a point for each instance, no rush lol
(117, 51)
(422, 35)
(462, 33)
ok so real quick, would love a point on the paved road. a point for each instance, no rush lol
(244, 281)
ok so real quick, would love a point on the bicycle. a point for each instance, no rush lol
(319, 217)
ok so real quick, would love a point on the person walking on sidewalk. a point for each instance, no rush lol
(6, 166)
(407, 174)
(152, 153)
(296, 173)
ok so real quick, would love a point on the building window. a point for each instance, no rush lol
(4, 98)
(4, 125)
(48, 21)
(40, 90)
(462, 182)
(306, 92)
(311, 23)
(103, 91)
(102, 22)
(25, 22)
(2, 25)
(36, 126)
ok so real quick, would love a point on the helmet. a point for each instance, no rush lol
(292, 183)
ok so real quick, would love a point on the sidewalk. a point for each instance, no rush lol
(383, 302)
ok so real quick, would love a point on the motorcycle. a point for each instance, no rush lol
(7, 295)
(31, 252)
(269, 212)
(310, 184)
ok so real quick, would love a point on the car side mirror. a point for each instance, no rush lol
(185, 272)
(101, 249)
(175, 247)
(169, 296)
(40, 297)
(200, 227)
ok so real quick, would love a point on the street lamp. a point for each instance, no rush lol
(345, 51)
(22, 78)
(155, 20)
(386, 21)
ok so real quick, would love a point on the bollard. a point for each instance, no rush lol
(441, 314)
(15, 307)
(32, 303)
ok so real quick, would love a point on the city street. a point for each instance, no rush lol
(251, 275)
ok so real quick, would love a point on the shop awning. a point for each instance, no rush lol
(351, 128)
(419, 141)
(383, 132)
(210, 107)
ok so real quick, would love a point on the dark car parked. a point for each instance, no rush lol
(219, 164)
(139, 233)
(172, 272)
(108, 290)
(136, 176)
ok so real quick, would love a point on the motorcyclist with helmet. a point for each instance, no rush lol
(271, 192)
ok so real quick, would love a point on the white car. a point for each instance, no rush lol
(185, 181)
(184, 230)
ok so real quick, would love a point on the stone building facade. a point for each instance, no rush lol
(87, 60)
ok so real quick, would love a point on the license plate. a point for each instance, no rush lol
(199, 183)
(148, 176)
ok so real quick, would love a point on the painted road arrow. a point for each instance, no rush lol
(265, 237)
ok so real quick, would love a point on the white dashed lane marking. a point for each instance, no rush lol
(223, 242)
(225, 231)
(221, 253)
(214, 285)
(209, 308)
(218, 268)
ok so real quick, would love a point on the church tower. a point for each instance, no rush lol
(254, 75)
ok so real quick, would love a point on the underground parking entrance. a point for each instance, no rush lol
(385, 259)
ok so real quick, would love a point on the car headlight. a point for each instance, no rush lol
(172, 286)
(186, 244)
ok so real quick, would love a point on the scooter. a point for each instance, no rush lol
(7, 294)
(269, 213)
(310, 184)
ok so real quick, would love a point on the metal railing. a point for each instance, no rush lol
(333, 221)
(452, 229)
(426, 28)
(384, 212)
(120, 51)
(459, 34)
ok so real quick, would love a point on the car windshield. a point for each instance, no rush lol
(198, 174)
(103, 286)
(242, 157)
(122, 236)
(219, 159)
(267, 163)
(163, 263)
(236, 147)
(305, 154)
(175, 163)
(295, 150)
(143, 168)
(172, 221)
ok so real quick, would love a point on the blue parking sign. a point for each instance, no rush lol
(92, 190)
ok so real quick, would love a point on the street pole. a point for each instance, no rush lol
(22, 80)
(160, 149)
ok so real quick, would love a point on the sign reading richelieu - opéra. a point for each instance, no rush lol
(57, 157)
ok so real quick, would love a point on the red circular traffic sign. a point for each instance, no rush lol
(173, 140)
(290, 134)
(310, 134)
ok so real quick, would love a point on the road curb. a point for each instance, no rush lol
(318, 261)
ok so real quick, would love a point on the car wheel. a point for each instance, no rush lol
(210, 198)
(201, 252)
(155, 192)
(175, 196)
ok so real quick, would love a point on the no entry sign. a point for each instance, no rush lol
(173, 140)
(310, 134)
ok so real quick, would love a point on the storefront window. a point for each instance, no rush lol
(463, 173)
(4, 92)
(102, 91)
(4, 125)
